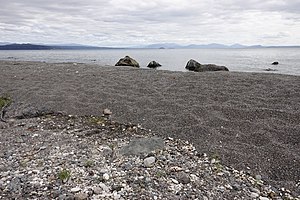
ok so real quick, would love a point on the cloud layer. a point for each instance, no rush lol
(123, 22)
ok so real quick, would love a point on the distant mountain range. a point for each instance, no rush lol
(9, 46)
(201, 46)
(6, 46)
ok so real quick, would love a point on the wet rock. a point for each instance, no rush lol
(127, 61)
(153, 64)
(193, 65)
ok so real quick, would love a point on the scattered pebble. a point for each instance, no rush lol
(70, 157)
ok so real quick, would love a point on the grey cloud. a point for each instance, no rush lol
(111, 22)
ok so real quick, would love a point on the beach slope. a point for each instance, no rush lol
(249, 120)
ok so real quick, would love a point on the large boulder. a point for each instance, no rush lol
(153, 64)
(193, 65)
(127, 61)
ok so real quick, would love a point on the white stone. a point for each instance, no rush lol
(75, 189)
(149, 162)
(254, 195)
(104, 187)
(263, 198)
(174, 181)
(106, 176)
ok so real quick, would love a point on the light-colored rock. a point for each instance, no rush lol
(149, 162)
(104, 187)
(75, 189)
(106, 177)
(97, 190)
(263, 198)
(81, 196)
(254, 195)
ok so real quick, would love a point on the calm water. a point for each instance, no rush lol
(242, 60)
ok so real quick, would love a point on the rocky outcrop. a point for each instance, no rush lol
(153, 64)
(127, 61)
(193, 65)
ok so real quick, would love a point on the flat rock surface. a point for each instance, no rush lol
(250, 120)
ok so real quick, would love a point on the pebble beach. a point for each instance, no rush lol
(214, 135)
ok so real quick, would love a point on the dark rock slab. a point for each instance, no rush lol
(193, 65)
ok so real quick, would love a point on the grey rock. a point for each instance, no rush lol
(31, 112)
(193, 65)
(254, 195)
(81, 196)
(183, 178)
(107, 112)
(153, 64)
(236, 186)
(106, 151)
(127, 61)
(104, 187)
(149, 162)
(142, 146)
(97, 190)
(15, 185)
(254, 190)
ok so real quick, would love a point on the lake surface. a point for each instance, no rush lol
(241, 60)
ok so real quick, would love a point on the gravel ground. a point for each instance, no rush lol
(70, 157)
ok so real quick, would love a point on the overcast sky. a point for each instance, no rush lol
(125, 23)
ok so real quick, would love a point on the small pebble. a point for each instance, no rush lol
(254, 195)
(106, 176)
(75, 190)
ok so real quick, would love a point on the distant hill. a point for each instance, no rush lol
(47, 47)
(24, 47)
(208, 46)
(163, 46)
(192, 46)
(9, 46)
